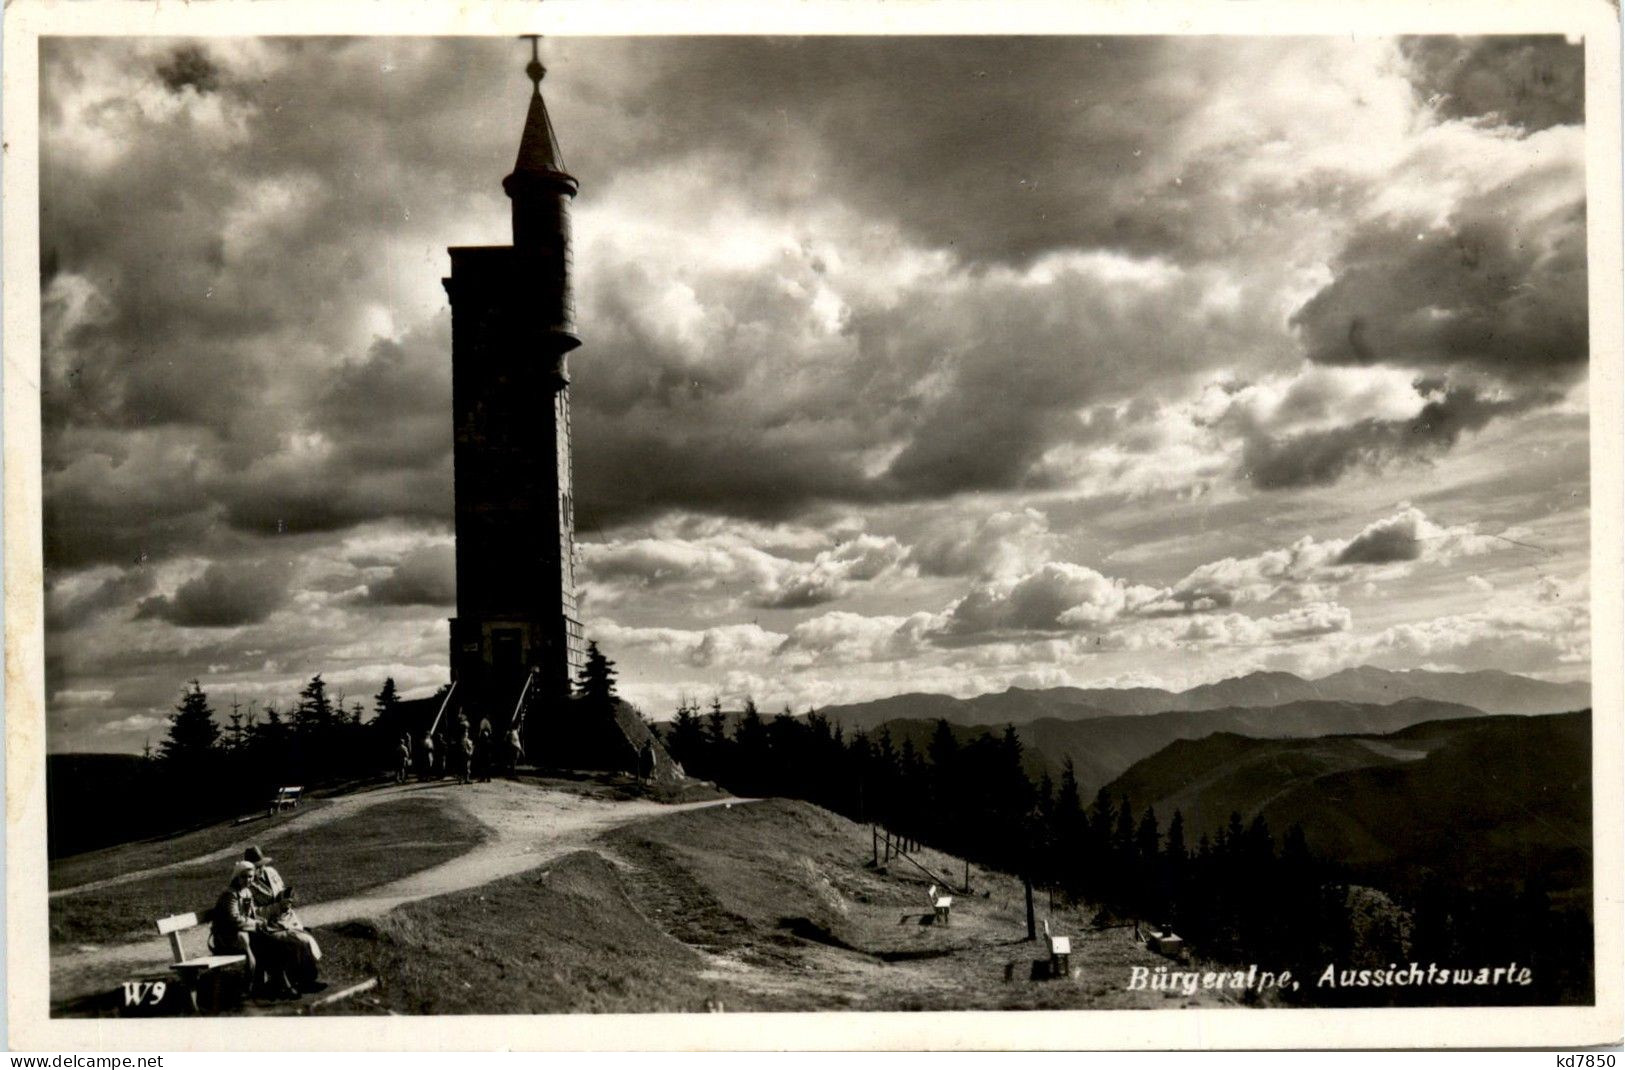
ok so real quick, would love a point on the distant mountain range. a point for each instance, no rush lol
(1103, 748)
(1487, 691)
(1485, 800)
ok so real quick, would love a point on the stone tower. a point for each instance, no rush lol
(513, 324)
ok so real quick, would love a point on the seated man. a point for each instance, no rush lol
(273, 904)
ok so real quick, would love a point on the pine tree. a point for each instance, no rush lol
(236, 730)
(750, 748)
(1176, 839)
(716, 725)
(314, 715)
(1123, 838)
(385, 702)
(192, 731)
(1046, 797)
(1147, 838)
(686, 737)
(596, 682)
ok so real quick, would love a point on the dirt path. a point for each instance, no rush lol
(338, 810)
(526, 825)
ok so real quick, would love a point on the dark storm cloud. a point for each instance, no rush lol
(424, 577)
(66, 610)
(1322, 457)
(1531, 82)
(226, 305)
(225, 595)
(1492, 302)
(973, 144)
(1011, 359)
(1497, 289)
(203, 363)
(189, 67)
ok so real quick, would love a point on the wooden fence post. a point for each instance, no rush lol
(1032, 925)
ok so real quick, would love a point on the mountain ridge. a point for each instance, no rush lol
(1490, 691)
(1102, 748)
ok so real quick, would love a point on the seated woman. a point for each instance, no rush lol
(273, 903)
(236, 928)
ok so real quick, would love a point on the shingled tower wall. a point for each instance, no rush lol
(513, 323)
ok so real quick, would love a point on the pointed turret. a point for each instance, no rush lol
(513, 324)
(539, 147)
(541, 189)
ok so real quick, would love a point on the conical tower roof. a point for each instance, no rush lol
(539, 147)
(539, 154)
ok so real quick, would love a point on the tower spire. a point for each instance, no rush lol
(538, 147)
(534, 68)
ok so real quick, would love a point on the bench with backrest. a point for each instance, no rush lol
(941, 905)
(203, 974)
(286, 799)
(1060, 953)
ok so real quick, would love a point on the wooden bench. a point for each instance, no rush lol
(941, 905)
(205, 973)
(1166, 942)
(286, 799)
(1060, 953)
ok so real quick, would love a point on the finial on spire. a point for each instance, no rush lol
(534, 69)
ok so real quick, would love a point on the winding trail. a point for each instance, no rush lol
(526, 826)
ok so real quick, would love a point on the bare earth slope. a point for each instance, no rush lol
(574, 903)
(767, 906)
(524, 825)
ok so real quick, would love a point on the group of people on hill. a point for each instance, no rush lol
(254, 916)
(468, 756)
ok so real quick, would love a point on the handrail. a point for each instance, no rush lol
(519, 707)
(436, 722)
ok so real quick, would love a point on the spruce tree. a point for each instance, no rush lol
(314, 714)
(1176, 839)
(596, 681)
(686, 737)
(384, 703)
(192, 731)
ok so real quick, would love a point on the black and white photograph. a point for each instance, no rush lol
(615, 523)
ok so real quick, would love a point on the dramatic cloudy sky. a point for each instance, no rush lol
(909, 364)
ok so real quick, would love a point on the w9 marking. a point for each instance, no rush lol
(144, 993)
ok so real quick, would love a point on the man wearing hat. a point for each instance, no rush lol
(273, 903)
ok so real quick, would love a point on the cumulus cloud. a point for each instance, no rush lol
(1322, 457)
(724, 645)
(840, 638)
(817, 278)
(424, 577)
(1058, 596)
(832, 573)
(78, 597)
(1002, 543)
(225, 595)
(727, 566)
(1063, 597)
